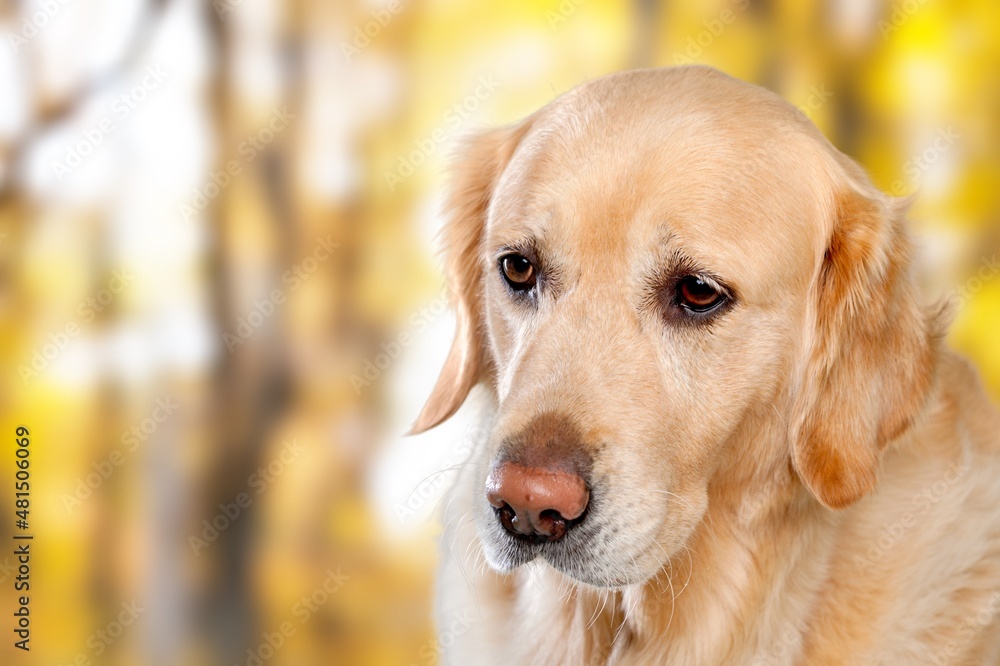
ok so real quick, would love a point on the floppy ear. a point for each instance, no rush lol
(476, 173)
(870, 364)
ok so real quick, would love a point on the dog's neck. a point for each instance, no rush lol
(721, 584)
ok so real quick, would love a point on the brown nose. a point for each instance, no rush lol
(541, 504)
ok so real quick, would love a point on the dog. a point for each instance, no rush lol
(723, 427)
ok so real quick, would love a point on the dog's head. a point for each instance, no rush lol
(674, 286)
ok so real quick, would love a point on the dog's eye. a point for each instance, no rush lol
(518, 271)
(697, 295)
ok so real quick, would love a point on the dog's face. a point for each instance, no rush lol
(643, 270)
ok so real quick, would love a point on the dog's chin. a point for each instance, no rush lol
(505, 554)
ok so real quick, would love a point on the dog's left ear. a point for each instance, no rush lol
(475, 175)
(870, 363)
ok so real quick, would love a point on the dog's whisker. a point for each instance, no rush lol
(629, 609)
(666, 563)
(689, 550)
(673, 606)
(434, 475)
(670, 495)
(593, 616)
(463, 563)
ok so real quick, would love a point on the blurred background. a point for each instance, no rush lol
(220, 303)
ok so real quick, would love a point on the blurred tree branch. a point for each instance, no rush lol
(49, 114)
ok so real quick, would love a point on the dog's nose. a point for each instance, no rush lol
(541, 504)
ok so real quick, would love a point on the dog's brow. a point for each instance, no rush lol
(682, 262)
(527, 246)
(675, 259)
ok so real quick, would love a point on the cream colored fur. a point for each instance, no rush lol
(812, 480)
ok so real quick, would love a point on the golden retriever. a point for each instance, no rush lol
(724, 429)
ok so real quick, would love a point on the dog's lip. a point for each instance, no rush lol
(511, 554)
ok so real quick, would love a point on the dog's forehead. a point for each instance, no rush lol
(723, 169)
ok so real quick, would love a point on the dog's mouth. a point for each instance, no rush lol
(585, 549)
(569, 554)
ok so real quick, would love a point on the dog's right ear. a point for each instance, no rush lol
(475, 175)
(873, 353)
